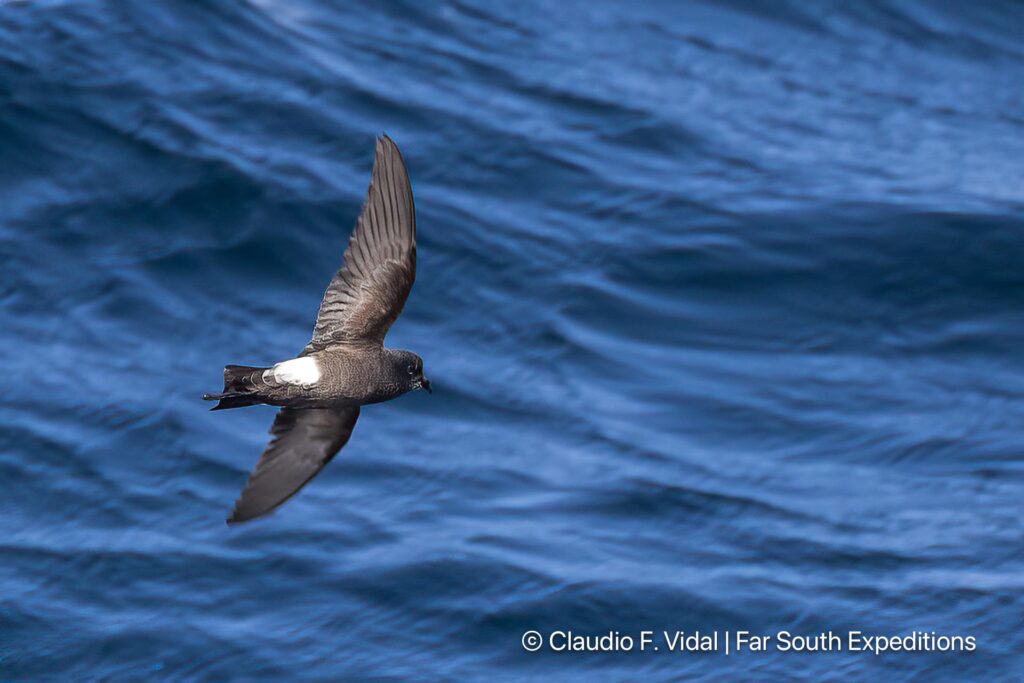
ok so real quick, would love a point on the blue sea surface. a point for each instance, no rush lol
(723, 305)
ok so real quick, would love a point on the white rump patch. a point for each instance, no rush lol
(302, 371)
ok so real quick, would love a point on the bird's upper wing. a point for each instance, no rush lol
(368, 292)
(304, 440)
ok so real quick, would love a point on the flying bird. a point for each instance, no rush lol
(344, 365)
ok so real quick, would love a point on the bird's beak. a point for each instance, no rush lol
(425, 384)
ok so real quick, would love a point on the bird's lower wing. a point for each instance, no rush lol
(304, 440)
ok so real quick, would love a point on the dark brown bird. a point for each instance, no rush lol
(345, 364)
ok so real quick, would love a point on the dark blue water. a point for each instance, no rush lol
(723, 305)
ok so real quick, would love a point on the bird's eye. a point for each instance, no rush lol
(411, 369)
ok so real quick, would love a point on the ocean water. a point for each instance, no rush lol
(723, 305)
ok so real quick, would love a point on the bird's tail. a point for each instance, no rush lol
(241, 388)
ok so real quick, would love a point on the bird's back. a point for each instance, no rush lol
(356, 376)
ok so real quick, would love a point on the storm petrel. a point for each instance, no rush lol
(345, 364)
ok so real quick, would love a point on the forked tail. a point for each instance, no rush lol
(241, 388)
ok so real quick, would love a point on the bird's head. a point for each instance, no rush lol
(409, 367)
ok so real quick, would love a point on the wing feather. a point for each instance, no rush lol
(368, 292)
(304, 440)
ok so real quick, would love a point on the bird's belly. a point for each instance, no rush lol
(382, 396)
(312, 397)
